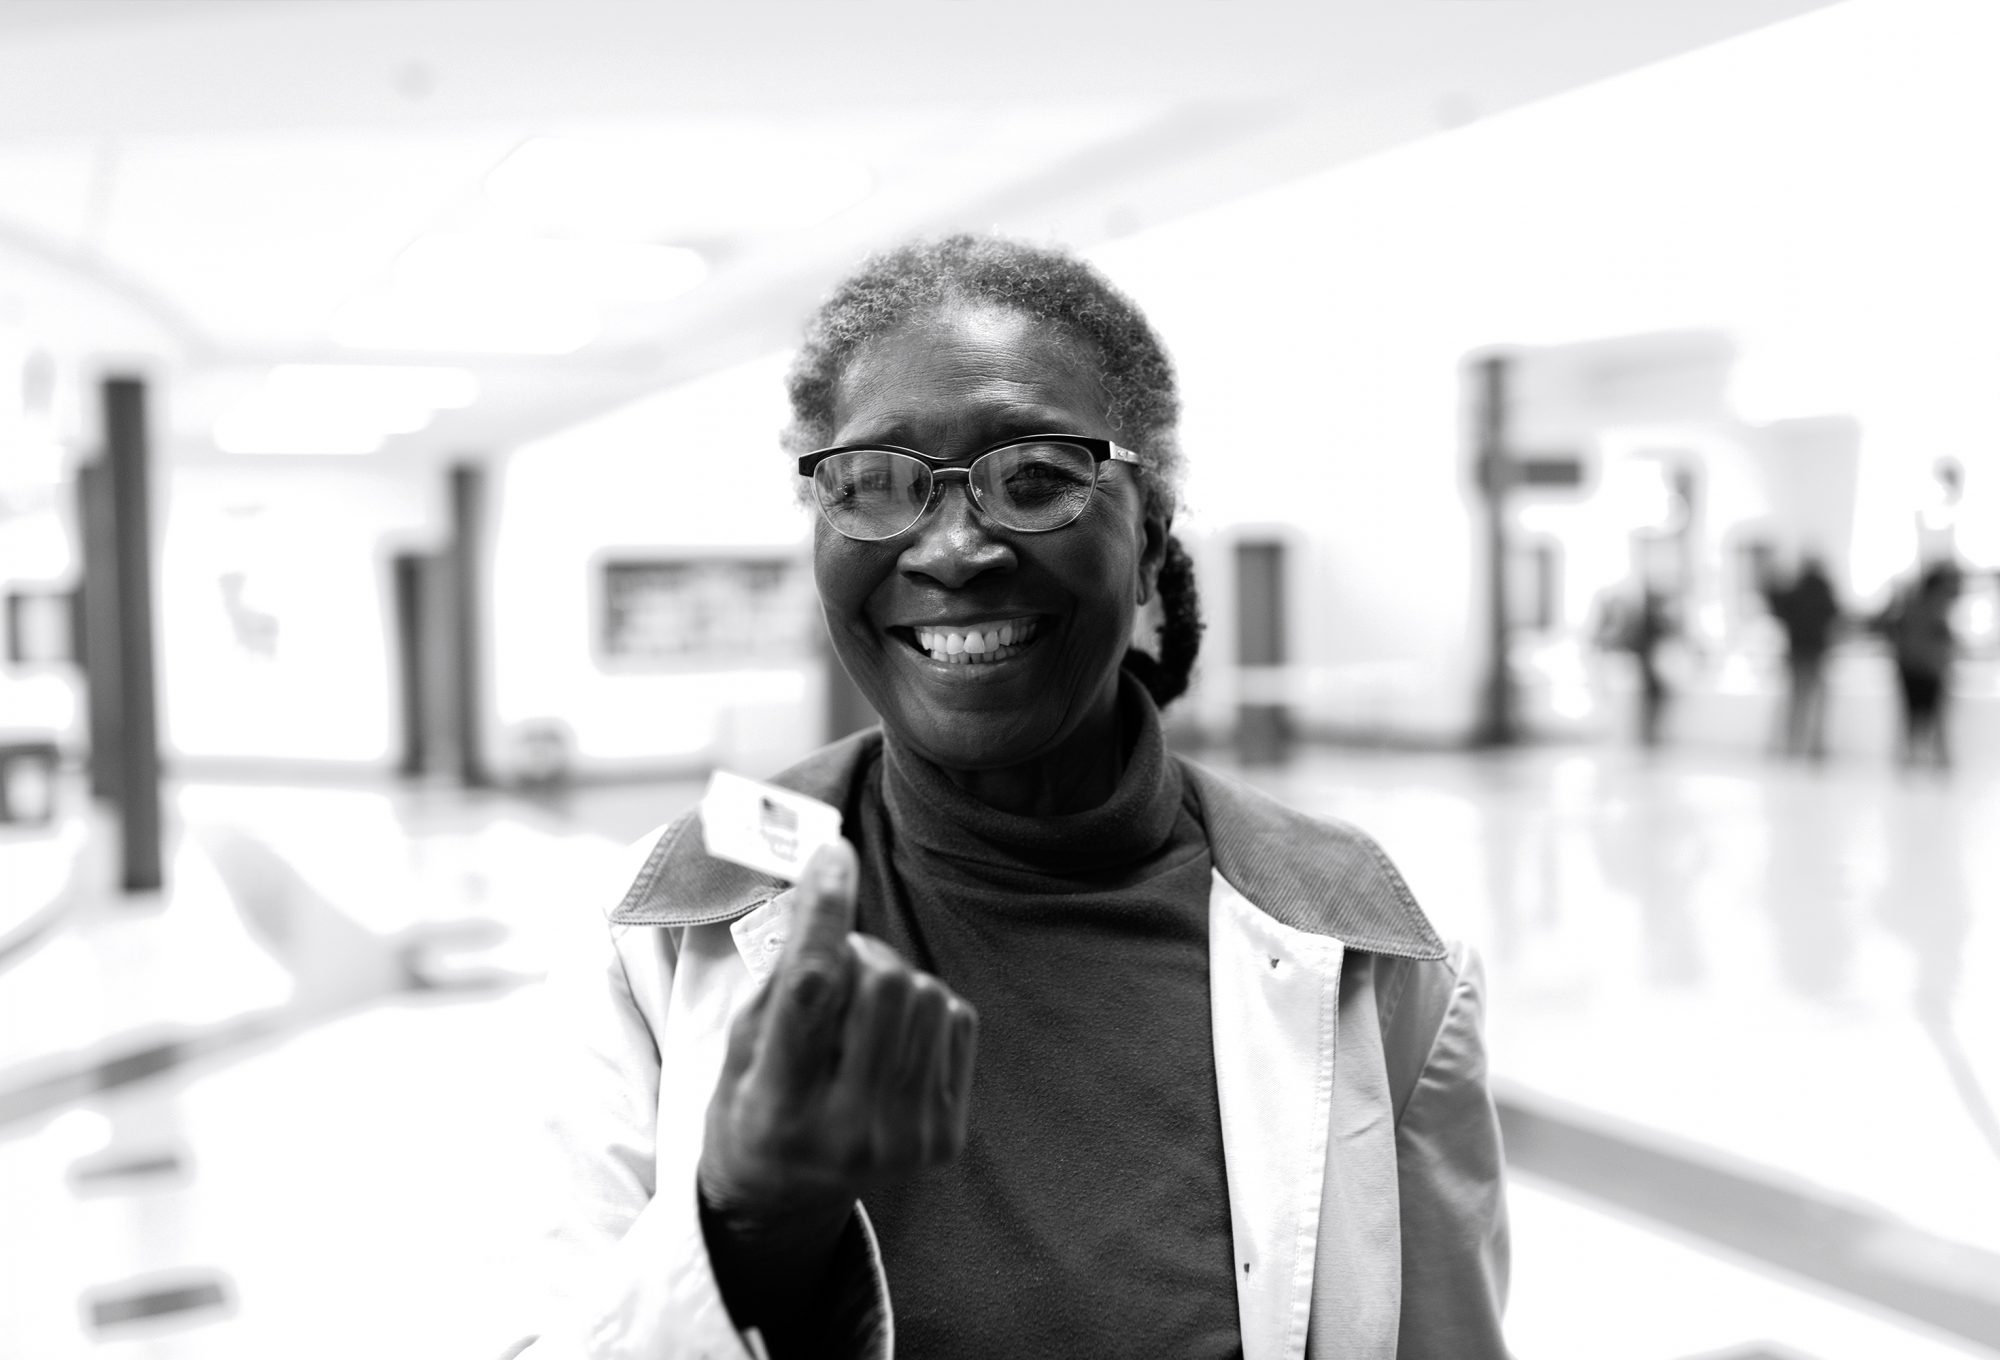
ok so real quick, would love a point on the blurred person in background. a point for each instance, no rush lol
(775, 1138)
(1641, 623)
(1809, 612)
(1918, 626)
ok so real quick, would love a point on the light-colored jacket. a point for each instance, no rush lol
(1361, 1146)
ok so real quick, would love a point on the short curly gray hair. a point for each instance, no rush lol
(900, 286)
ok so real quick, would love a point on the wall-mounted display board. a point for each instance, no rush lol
(713, 610)
(42, 627)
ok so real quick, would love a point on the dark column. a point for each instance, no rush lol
(427, 663)
(406, 591)
(1263, 728)
(139, 744)
(97, 640)
(1496, 724)
(467, 549)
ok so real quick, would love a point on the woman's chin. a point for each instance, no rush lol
(971, 742)
(1024, 707)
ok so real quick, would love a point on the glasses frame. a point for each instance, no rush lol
(943, 471)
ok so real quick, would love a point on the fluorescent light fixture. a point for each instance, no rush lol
(609, 272)
(720, 183)
(458, 321)
(432, 387)
(340, 408)
(252, 427)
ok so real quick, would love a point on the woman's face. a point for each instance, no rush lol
(1053, 611)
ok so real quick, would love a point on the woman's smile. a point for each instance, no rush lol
(986, 648)
(973, 644)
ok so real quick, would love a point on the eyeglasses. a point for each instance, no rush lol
(1030, 484)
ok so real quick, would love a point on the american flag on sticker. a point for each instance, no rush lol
(762, 827)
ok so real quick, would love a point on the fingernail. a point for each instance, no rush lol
(810, 988)
(831, 871)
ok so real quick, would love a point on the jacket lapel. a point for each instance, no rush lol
(1308, 1138)
(1358, 1283)
(1307, 1132)
(1274, 1000)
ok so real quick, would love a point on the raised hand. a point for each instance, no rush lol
(850, 1069)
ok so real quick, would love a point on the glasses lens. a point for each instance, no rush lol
(871, 493)
(1035, 487)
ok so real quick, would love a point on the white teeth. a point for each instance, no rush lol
(963, 645)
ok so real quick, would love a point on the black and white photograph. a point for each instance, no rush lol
(942, 680)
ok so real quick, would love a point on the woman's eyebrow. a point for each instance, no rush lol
(997, 426)
(1035, 420)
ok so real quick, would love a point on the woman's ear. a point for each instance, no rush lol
(1152, 554)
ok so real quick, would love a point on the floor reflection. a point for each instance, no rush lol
(1652, 848)
(1811, 892)
(310, 1052)
(1926, 901)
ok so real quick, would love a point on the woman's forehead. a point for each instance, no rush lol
(970, 366)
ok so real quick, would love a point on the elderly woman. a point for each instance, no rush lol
(1229, 1092)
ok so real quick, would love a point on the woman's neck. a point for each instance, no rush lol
(1070, 818)
(1079, 774)
(1045, 788)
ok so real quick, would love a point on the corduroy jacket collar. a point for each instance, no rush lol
(1315, 875)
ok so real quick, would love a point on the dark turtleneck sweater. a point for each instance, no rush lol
(1088, 1215)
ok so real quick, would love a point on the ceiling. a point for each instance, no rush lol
(642, 192)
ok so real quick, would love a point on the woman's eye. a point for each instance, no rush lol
(1042, 476)
(862, 484)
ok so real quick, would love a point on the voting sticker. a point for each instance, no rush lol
(771, 830)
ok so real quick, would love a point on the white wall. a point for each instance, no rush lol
(1820, 190)
(274, 607)
(691, 469)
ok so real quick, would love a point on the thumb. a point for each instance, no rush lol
(810, 987)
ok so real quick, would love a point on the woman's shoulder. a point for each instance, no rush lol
(1317, 874)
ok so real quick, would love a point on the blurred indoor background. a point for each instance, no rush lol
(392, 527)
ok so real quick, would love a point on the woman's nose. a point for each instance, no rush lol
(953, 543)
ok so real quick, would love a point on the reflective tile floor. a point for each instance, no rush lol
(1796, 966)
(1742, 1024)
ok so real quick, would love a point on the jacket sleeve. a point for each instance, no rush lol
(626, 1272)
(1451, 1173)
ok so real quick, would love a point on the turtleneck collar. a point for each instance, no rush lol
(935, 816)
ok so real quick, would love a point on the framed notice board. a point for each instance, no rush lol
(707, 611)
(43, 627)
